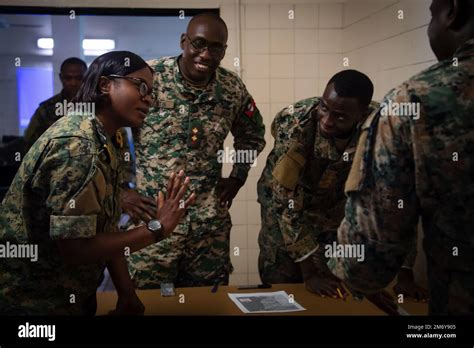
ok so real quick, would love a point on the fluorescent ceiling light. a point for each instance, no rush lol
(98, 44)
(45, 43)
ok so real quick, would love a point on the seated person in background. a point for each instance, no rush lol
(72, 72)
(301, 190)
(64, 201)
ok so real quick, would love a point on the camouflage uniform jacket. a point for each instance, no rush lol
(411, 167)
(304, 177)
(186, 128)
(67, 187)
(43, 118)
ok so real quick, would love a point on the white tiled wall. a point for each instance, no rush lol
(382, 45)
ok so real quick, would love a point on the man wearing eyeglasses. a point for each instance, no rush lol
(197, 104)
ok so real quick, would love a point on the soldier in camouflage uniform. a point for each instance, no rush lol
(301, 190)
(419, 165)
(65, 199)
(71, 74)
(198, 103)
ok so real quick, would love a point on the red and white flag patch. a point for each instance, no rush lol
(250, 110)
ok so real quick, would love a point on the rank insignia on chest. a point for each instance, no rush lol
(195, 135)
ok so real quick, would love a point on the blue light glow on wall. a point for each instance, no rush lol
(34, 86)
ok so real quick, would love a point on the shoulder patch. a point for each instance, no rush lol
(287, 169)
(250, 108)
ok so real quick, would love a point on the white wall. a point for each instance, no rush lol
(387, 48)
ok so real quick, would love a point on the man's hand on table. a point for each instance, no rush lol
(321, 282)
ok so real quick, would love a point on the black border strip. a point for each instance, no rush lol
(239, 329)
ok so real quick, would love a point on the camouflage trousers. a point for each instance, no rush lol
(274, 263)
(197, 258)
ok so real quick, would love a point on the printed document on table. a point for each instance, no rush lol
(266, 302)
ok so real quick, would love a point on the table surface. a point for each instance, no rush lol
(201, 301)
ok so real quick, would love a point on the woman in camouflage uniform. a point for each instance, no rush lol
(65, 197)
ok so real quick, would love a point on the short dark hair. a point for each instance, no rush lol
(73, 61)
(116, 62)
(353, 84)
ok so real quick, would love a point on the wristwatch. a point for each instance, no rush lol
(156, 228)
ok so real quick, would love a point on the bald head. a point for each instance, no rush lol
(204, 45)
(210, 20)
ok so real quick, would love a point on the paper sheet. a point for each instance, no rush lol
(266, 302)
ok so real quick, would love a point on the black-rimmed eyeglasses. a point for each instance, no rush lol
(142, 86)
(199, 44)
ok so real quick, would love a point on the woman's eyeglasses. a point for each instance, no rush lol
(142, 86)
